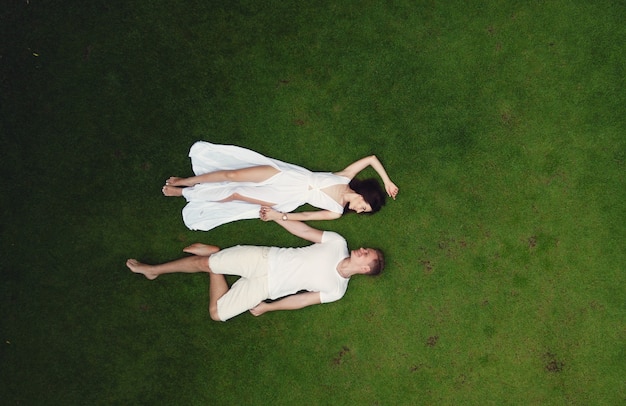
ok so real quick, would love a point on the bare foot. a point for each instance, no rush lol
(201, 249)
(172, 191)
(174, 181)
(138, 267)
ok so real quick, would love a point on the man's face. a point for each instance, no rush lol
(363, 256)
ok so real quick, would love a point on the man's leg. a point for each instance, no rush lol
(218, 287)
(192, 264)
(248, 262)
(201, 249)
(198, 263)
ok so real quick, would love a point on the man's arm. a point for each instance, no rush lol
(293, 302)
(297, 228)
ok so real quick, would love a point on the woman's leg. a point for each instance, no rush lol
(236, 197)
(252, 174)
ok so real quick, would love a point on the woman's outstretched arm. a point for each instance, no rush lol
(297, 228)
(269, 214)
(352, 170)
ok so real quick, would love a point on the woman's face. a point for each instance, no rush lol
(359, 205)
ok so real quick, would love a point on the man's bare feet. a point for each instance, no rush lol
(138, 267)
(201, 249)
(172, 191)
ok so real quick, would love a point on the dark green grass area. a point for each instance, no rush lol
(503, 124)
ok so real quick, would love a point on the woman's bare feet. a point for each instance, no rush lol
(175, 181)
(138, 267)
(174, 186)
(201, 249)
(172, 191)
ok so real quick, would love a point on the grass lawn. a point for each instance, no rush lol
(502, 122)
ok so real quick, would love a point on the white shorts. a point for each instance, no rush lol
(249, 262)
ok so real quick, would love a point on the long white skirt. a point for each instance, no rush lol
(287, 189)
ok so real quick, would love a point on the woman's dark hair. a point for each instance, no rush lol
(371, 191)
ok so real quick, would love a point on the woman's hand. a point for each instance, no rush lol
(352, 170)
(268, 214)
(392, 189)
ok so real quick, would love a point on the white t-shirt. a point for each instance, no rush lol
(312, 268)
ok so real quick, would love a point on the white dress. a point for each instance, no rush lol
(292, 187)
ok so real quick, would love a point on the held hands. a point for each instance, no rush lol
(392, 189)
(268, 214)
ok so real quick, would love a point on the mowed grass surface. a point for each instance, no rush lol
(502, 123)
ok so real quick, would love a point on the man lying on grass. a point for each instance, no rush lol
(322, 269)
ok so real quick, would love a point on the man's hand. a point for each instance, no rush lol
(259, 309)
(293, 302)
(268, 214)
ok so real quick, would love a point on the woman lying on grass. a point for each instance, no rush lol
(232, 182)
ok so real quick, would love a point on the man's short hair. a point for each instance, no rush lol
(377, 265)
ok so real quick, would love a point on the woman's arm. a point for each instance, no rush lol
(297, 228)
(352, 170)
(269, 214)
(293, 302)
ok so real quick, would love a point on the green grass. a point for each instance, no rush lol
(503, 124)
